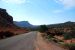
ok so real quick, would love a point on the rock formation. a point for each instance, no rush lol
(5, 18)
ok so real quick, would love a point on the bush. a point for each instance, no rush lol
(6, 34)
(49, 36)
(70, 46)
(56, 41)
(67, 36)
(1, 34)
(59, 33)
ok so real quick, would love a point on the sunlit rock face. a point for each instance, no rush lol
(5, 18)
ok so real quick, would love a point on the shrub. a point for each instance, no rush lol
(1, 34)
(59, 33)
(49, 36)
(43, 28)
(6, 34)
(67, 36)
(56, 41)
(70, 46)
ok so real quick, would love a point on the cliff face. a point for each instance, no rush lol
(5, 18)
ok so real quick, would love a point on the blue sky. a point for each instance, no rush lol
(39, 12)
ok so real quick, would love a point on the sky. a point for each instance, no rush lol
(39, 12)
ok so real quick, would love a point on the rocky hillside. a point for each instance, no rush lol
(5, 19)
(7, 26)
(63, 25)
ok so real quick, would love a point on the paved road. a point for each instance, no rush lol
(19, 42)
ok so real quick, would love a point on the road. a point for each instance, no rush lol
(28, 41)
(19, 42)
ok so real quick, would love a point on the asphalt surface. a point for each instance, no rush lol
(19, 42)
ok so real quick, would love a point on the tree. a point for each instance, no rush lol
(43, 28)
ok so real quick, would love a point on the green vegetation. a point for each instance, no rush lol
(69, 35)
(62, 34)
(43, 28)
(70, 46)
(49, 37)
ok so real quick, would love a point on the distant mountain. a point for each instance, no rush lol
(66, 24)
(23, 24)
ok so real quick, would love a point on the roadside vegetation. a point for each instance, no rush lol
(64, 36)
(6, 34)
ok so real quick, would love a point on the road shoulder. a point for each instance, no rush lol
(42, 44)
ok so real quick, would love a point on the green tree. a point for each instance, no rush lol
(43, 28)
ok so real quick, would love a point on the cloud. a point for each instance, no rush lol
(14, 1)
(66, 3)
